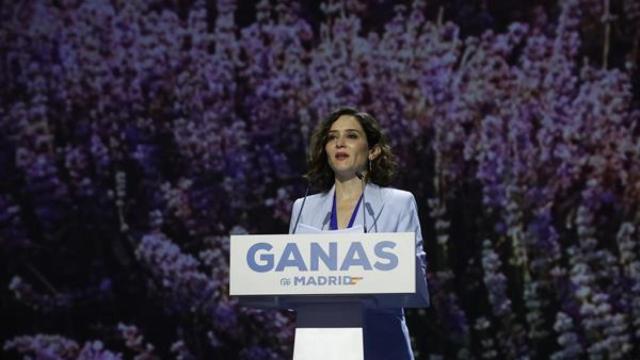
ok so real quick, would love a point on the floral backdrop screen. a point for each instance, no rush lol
(136, 136)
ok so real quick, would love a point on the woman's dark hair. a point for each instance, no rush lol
(320, 174)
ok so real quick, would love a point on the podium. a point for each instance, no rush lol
(329, 279)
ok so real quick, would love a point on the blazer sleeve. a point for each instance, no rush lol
(410, 222)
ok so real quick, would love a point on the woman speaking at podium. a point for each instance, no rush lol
(351, 162)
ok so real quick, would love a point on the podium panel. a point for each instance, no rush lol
(329, 279)
(328, 344)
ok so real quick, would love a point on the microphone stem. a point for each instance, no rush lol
(364, 204)
(306, 193)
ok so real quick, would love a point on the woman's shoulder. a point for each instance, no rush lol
(394, 194)
(311, 198)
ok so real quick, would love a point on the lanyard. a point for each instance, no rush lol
(333, 225)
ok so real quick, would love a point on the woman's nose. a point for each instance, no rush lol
(340, 141)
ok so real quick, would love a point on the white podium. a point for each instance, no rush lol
(329, 279)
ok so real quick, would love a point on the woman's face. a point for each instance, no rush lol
(347, 147)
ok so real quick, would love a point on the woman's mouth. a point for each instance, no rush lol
(341, 156)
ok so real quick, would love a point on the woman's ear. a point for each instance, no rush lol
(374, 152)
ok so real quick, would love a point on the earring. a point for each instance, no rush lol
(370, 166)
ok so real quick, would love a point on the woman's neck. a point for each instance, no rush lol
(348, 189)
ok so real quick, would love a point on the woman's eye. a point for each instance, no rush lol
(352, 136)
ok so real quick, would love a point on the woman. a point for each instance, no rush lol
(348, 150)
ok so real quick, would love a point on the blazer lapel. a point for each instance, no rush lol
(374, 203)
(323, 217)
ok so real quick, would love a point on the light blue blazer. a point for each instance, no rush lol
(386, 336)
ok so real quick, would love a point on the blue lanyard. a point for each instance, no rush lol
(333, 225)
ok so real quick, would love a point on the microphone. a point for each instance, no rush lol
(360, 176)
(306, 193)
